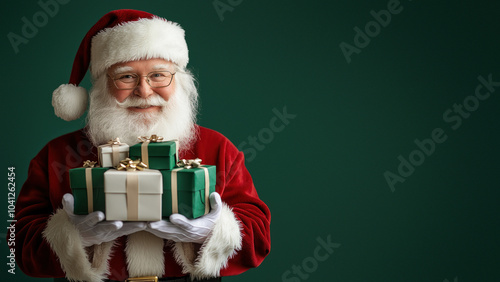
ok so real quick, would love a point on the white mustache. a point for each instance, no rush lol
(134, 101)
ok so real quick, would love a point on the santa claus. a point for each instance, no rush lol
(141, 86)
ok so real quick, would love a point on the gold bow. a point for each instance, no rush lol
(187, 164)
(153, 139)
(130, 165)
(115, 141)
(89, 164)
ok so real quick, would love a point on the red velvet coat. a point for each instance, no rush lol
(48, 180)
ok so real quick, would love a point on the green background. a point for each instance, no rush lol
(322, 175)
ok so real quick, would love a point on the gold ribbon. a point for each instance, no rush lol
(130, 165)
(115, 141)
(132, 196)
(187, 164)
(88, 165)
(154, 139)
(90, 192)
(144, 147)
(115, 151)
(207, 189)
(132, 185)
(175, 207)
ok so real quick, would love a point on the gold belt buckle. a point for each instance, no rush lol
(143, 279)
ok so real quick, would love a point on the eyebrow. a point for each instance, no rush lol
(161, 66)
(123, 69)
(131, 69)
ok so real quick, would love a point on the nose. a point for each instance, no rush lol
(143, 89)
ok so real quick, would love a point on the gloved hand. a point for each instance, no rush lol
(182, 229)
(92, 228)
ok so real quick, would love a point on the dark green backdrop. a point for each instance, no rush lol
(322, 174)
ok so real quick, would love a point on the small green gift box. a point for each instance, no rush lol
(186, 191)
(87, 185)
(155, 154)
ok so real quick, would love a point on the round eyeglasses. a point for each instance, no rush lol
(155, 79)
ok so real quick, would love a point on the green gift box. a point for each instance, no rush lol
(79, 181)
(157, 155)
(190, 191)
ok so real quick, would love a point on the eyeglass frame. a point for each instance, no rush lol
(139, 76)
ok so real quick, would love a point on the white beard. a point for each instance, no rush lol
(176, 119)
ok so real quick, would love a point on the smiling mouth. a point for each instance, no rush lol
(146, 108)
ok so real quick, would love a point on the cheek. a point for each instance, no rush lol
(167, 92)
(120, 95)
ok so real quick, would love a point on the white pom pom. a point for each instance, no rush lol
(69, 101)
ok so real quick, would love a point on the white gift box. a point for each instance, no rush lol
(126, 203)
(105, 153)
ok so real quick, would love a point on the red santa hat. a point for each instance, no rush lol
(119, 36)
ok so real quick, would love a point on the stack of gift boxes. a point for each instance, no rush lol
(143, 182)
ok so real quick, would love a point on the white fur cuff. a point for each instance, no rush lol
(65, 241)
(222, 244)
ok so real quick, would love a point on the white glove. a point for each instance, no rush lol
(182, 229)
(93, 231)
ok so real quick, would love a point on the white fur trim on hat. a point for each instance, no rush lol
(69, 101)
(137, 40)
